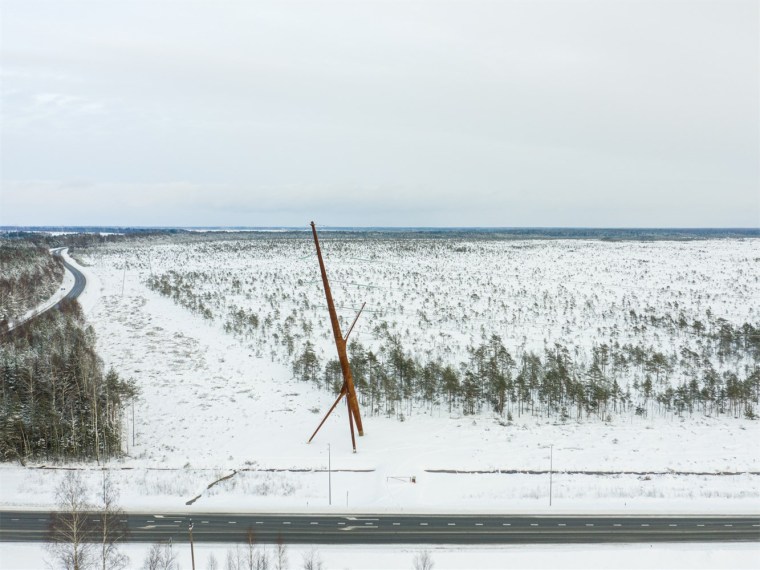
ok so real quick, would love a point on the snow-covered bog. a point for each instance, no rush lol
(213, 357)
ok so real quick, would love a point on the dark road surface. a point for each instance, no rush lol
(18, 526)
(79, 279)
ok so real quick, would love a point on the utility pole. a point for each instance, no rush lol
(124, 278)
(551, 465)
(347, 389)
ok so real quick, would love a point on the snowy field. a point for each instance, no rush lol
(215, 401)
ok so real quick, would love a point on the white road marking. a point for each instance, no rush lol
(672, 525)
(505, 524)
(561, 524)
(231, 522)
(478, 524)
(533, 524)
(204, 522)
(642, 524)
(700, 525)
(286, 522)
(616, 524)
(728, 525)
(589, 524)
(423, 524)
(452, 524)
(259, 522)
(396, 524)
(314, 523)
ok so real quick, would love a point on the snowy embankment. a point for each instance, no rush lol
(66, 285)
(213, 403)
(586, 557)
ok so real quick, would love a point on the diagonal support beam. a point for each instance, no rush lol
(356, 318)
(342, 393)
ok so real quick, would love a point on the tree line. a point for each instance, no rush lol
(555, 383)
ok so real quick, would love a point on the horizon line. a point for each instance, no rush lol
(361, 227)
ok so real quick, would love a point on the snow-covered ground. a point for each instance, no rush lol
(687, 556)
(213, 402)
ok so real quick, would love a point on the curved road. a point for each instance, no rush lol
(80, 281)
(22, 526)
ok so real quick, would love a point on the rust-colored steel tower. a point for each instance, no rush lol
(340, 344)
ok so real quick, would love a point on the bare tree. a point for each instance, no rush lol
(235, 559)
(110, 529)
(71, 530)
(251, 553)
(255, 558)
(211, 563)
(423, 561)
(311, 560)
(160, 557)
(281, 555)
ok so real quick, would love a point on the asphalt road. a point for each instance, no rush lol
(18, 526)
(80, 282)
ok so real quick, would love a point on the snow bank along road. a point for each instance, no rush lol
(25, 526)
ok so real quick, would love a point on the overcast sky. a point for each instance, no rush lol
(595, 113)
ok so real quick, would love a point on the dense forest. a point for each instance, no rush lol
(29, 274)
(56, 401)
